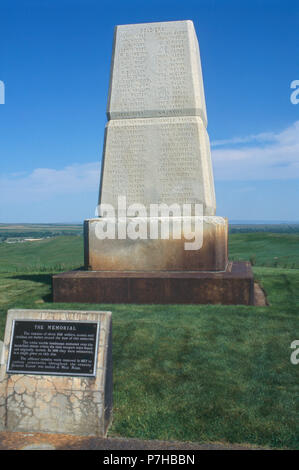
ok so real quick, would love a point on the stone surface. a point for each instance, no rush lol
(66, 404)
(156, 152)
(156, 72)
(234, 286)
(158, 160)
(260, 297)
(159, 254)
(156, 147)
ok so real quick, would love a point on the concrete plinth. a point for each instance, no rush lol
(234, 286)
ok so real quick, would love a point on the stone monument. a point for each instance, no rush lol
(56, 372)
(157, 188)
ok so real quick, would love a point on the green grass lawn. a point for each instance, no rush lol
(266, 249)
(52, 254)
(198, 373)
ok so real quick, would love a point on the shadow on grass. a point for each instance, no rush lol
(40, 278)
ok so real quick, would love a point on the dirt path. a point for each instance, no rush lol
(38, 441)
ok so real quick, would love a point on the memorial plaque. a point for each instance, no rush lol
(53, 348)
(56, 372)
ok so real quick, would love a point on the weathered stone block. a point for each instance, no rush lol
(58, 404)
(158, 160)
(156, 72)
(233, 286)
(172, 254)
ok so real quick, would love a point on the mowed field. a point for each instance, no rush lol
(201, 373)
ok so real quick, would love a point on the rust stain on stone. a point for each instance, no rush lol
(158, 255)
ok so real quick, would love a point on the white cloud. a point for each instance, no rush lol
(264, 156)
(263, 137)
(44, 183)
(255, 157)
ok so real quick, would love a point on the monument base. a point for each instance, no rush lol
(234, 286)
(170, 254)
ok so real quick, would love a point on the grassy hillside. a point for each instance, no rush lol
(39, 230)
(59, 253)
(66, 252)
(196, 372)
(266, 249)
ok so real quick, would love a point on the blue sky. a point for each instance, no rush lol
(55, 62)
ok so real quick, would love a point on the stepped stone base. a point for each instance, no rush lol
(234, 286)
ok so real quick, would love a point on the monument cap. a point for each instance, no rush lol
(156, 72)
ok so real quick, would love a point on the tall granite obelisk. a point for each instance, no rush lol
(156, 156)
(157, 149)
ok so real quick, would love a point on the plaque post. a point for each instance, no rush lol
(56, 372)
